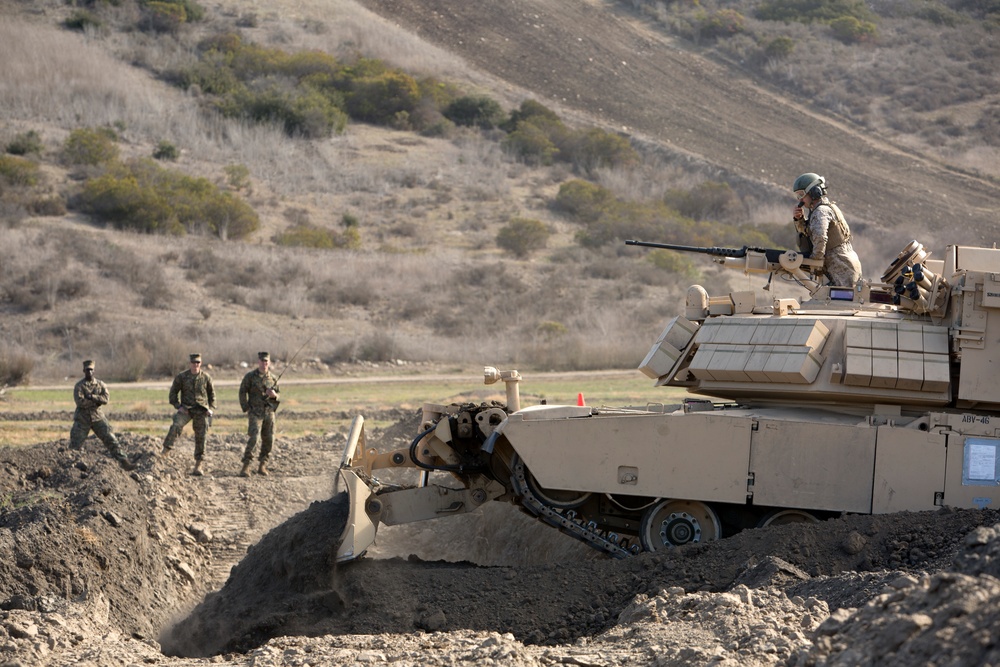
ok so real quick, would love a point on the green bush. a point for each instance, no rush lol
(852, 31)
(779, 47)
(722, 23)
(90, 146)
(18, 171)
(379, 99)
(165, 151)
(522, 236)
(81, 20)
(530, 111)
(706, 200)
(165, 17)
(26, 143)
(141, 196)
(237, 176)
(673, 262)
(475, 111)
(584, 200)
(301, 112)
(809, 11)
(306, 235)
(531, 144)
(595, 148)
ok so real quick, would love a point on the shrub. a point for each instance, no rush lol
(475, 111)
(165, 17)
(15, 365)
(165, 151)
(379, 99)
(722, 23)
(779, 47)
(237, 176)
(27, 143)
(90, 146)
(595, 148)
(82, 20)
(18, 171)
(522, 236)
(530, 111)
(706, 200)
(144, 197)
(306, 235)
(583, 200)
(47, 206)
(808, 11)
(852, 31)
(529, 143)
(300, 112)
(673, 262)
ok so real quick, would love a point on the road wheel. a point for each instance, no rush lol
(556, 498)
(671, 523)
(781, 517)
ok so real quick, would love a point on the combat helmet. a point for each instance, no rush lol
(812, 184)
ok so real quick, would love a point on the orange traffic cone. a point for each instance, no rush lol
(579, 399)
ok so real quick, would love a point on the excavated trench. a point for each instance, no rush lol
(221, 564)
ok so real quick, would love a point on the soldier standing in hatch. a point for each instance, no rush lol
(259, 398)
(91, 395)
(823, 231)
(193, 395)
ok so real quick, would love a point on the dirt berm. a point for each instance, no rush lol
(103, 567)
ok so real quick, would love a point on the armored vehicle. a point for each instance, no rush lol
(877, 397)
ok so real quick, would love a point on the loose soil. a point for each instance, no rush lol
(105, 567)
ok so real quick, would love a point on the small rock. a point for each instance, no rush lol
(112, 518)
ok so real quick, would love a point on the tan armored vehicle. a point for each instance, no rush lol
(869, 398)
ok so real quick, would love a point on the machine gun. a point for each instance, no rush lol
(754, 260)
(274, 402)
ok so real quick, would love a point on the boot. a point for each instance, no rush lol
(165, 452)
(262, 468)
(198, 472)
(125, 463)
(245, 472)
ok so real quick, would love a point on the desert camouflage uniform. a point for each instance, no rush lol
(260, 410)
(195, 393)
(831, 242)
(90, 397)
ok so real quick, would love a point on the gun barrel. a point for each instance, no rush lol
(717, 252)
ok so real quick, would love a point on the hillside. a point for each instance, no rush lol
(429, 282)
(608, 62)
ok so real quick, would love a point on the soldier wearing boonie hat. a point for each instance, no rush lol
(91, 395)
(259, 399)
(193, 396)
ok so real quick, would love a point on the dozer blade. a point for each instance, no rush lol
(364, 509)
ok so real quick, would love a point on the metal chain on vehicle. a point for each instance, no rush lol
(567, 522)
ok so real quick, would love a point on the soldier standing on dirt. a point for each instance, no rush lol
(91, 395)
(193, 395)
(823, 231)
(259, 398)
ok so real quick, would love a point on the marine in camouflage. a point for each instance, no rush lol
(258, 398)
(90, 396)
(831, 242)
(193, 395)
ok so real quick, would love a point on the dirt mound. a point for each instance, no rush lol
(95, 562)
(74, 526)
